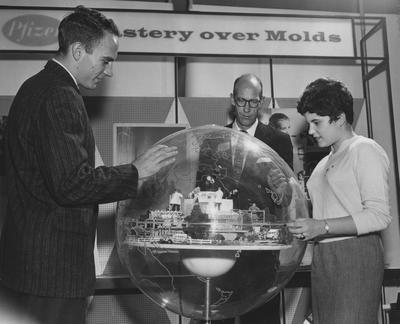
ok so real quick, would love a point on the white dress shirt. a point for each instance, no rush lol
(234, 140)
(73, 78)
(251, 131)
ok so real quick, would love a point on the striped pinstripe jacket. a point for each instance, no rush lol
(46, 245)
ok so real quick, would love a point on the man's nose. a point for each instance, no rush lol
(246, 107)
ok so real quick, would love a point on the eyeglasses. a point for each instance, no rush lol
(253, 103)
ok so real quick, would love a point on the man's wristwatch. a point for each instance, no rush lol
(326, 227)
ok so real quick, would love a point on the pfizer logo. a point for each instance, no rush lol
(32, 30)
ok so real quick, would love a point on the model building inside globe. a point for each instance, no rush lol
(207, 236)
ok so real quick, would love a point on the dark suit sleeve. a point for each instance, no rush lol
(204, 164)
(64, 148)
(285, 148)
(209, 160)
(281, 143)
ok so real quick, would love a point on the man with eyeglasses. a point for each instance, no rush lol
(258, 270)
(247, 99)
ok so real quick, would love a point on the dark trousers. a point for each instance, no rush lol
(268, 313)
(251, 274)
(21, 308)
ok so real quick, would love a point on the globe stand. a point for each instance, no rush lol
(208, 265)
(207, 302)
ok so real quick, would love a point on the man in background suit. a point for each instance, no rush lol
(216, 161)
(247, 98)
(280, 121)
(46, 249)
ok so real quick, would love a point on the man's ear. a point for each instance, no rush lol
(342, 119)
(232, 110)
(232, 100)
(78, 50)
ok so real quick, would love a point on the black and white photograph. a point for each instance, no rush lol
(199, 162)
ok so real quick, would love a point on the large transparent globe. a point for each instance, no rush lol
(207, 236)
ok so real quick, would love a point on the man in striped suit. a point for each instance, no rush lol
(46, 246)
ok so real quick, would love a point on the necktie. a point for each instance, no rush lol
(239, 155)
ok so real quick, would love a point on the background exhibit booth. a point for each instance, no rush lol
(176, 70)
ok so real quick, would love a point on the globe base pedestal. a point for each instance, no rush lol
(208, 265)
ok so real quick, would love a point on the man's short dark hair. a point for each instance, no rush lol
(327, 97)
(276, 118)
(84, 25)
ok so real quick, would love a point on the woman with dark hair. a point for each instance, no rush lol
(349, 193)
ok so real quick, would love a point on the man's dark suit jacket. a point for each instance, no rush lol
(280, 142)
(257, 270)
(47, 241)
(216, 157)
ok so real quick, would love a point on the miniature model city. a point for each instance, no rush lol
(207, 221)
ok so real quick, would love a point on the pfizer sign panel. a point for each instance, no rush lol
(194, 33)
(207, 236)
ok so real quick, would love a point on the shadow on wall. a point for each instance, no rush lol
(3, 196)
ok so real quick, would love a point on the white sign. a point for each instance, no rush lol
(175, 33)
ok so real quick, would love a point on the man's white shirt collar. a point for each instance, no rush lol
(73, 78)
(251, 131)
